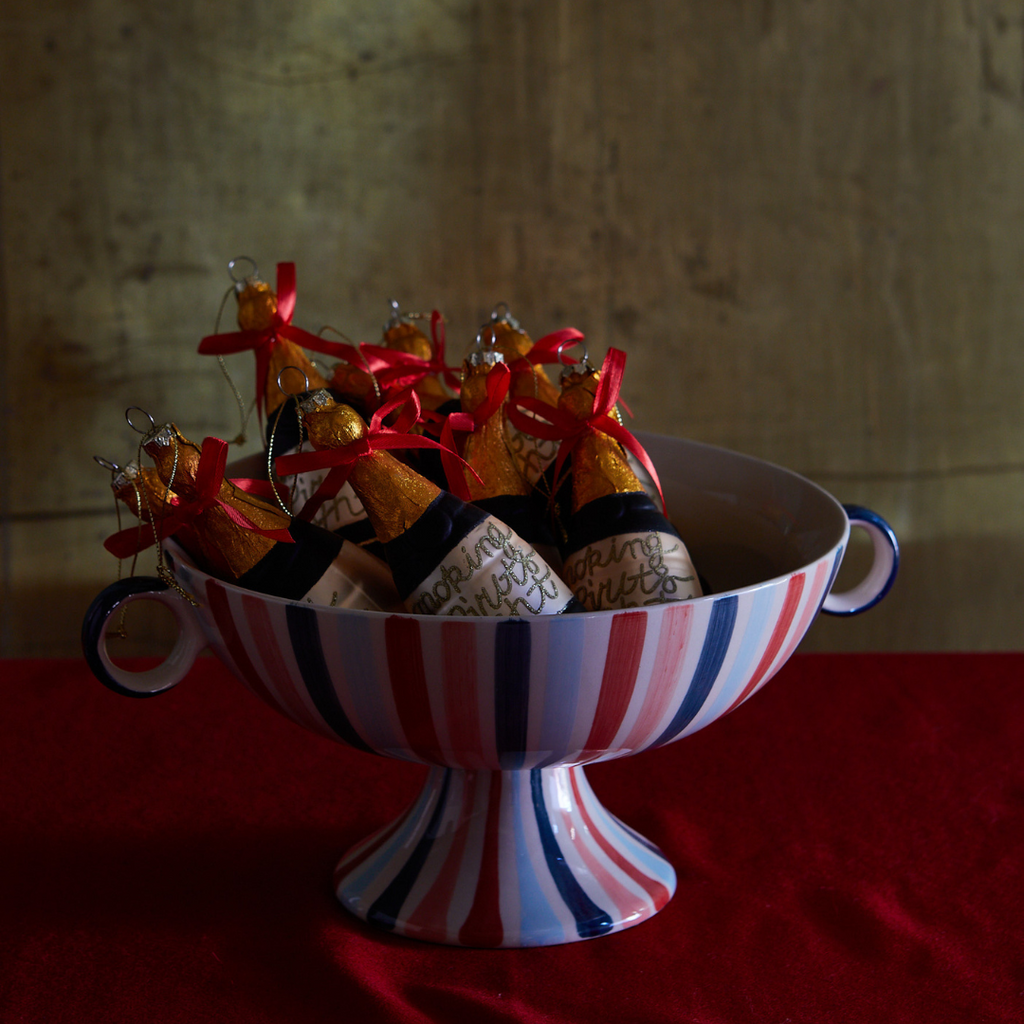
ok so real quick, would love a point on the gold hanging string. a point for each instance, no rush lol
(243, 415)
(162, 570)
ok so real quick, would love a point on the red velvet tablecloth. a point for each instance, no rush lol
(849, 844)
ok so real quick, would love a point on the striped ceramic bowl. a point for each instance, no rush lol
(506, 844)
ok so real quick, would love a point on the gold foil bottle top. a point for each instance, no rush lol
(486, 449)
(122, 476)
(474, 377)
(328, 424)
(142, 490)
(173, 453)
(486, 357)
(599, 465)
(513, 343)
(509, 337)
(405, 336)
(393, 494)
(216, 542)
(257, 305)
(402, 335)
(356, 386)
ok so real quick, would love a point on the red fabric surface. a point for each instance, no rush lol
(849, 846)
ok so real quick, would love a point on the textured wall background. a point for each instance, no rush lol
(802, 219)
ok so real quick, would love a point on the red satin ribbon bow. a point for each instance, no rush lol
(209, 477)
(562, 426)
(395, 369)
(339, 461)
(280, 327)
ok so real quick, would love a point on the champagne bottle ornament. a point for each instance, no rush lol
(529, 380)
(343, 513)
(620, 549)
(495, 479)
(447, 557)
(407, 357)
(249, 542)
(516, 346)
(266, 328)
(153, 503)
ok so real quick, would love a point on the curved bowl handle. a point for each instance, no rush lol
(883, 569)
(169, 672)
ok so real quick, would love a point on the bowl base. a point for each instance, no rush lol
(505, 858)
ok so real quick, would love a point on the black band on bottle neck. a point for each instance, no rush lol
(523, 512)
(415, 554)
(292, 570)
(614, 515)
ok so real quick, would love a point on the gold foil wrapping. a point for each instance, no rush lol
(354, 385)
(257, 305)
(149, 498)
(404, 336)
(487, 448)
(225, 548)
(393, 494)
(599, 465)
(513, 343)
(142, 490)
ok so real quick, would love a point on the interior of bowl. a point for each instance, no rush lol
(743, 520)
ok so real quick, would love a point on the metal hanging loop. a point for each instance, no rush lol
(281, 387)
(239, 282)
(502, 313)
(568, 367)
(138, 430)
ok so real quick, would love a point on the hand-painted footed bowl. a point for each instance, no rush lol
(506, 844)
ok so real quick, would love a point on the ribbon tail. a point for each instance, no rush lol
(631, 444)
(231, 343)
(537, 427)
(130, 541)
(286, 291)
(261, 488)
(210, 472)
(453, 464)
(332, 483)
(347, 353)
(610, 382)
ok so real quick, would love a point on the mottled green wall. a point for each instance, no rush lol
(802, 220)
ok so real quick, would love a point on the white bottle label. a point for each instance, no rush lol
(631, 570)
(533, 454)
(342, 509)
(492, 571)
(355, 579)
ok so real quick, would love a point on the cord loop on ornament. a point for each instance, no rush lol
(106, 464)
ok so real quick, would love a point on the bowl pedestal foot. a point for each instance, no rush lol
(505, 858)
